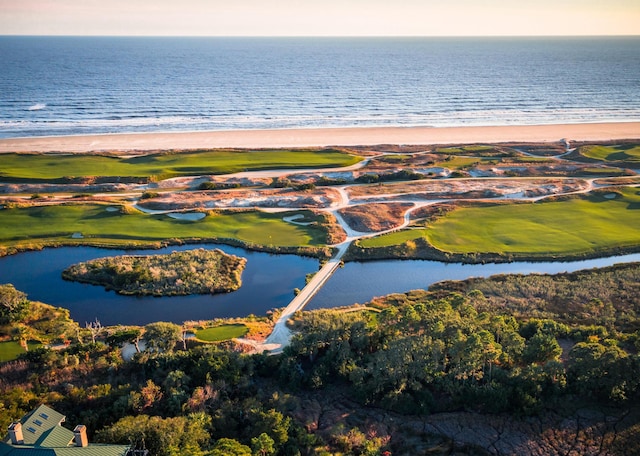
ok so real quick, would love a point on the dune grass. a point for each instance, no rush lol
(622, 152)
(223, 332)
(573, 226)
(166, 165)
(97, 224)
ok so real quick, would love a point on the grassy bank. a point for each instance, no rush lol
(575, 227)
(109, 225)
(165, 165)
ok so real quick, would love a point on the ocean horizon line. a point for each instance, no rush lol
(559, 36)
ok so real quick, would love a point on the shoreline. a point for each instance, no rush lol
(322, 137)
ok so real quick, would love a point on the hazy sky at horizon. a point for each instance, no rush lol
(319, 17)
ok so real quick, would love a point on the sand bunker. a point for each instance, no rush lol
(191, 216)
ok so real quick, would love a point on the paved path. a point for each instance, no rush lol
(281, 335)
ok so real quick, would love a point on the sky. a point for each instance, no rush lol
(320, 17)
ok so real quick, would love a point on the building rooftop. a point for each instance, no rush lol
(40, 433)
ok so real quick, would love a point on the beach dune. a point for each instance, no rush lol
(321, 137)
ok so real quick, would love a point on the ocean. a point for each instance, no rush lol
(85, 85)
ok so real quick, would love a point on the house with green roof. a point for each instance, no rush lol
(40, 433)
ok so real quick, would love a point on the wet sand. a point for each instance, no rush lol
(321, 137)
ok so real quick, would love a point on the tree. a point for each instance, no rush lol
(22, 333)
(121, 336)
(263, 445)
(512, 347)
(161, 436)
(95, 328)
(14, 305)
(540, 348)
(147, 397)
(162, 336)
(229, 447)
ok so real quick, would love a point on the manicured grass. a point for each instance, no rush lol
(623, 152)
(395, 238)
(20, 225)
(458, 162)
(465, 149)
(10, 350)
(579, 225)
(223, 332)
(165, 165)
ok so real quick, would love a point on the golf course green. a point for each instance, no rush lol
(166, 165)
(576, 225)
(94, 224)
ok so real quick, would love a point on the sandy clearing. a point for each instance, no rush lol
(320, 137)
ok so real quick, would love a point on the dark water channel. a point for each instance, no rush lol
(267, 282)
(359, 282)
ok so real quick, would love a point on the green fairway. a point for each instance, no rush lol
(166, 165)
(624, 152)
(10, 350)
(97, 223)
(223, 332)
(470, 150)
(575, 226)
(454, 162)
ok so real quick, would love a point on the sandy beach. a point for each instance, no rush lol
(323, 137)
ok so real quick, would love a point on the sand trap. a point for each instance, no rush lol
(112, 209)
(611, 196)
(191, 216)
(77, 236)
(293, 218)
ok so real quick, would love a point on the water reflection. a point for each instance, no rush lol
(267, 282)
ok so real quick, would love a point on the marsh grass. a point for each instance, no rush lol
(196, 271)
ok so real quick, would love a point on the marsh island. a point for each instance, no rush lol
(178, 273)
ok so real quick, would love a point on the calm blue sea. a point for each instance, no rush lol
(73, 85)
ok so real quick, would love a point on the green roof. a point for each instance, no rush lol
(56, 437)
(91, 450)
(44, 435)
(38, 422)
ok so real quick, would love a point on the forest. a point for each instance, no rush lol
(512, 364)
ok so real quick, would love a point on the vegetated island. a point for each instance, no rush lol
(197, 271)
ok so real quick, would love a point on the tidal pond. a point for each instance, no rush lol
(267, 282)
